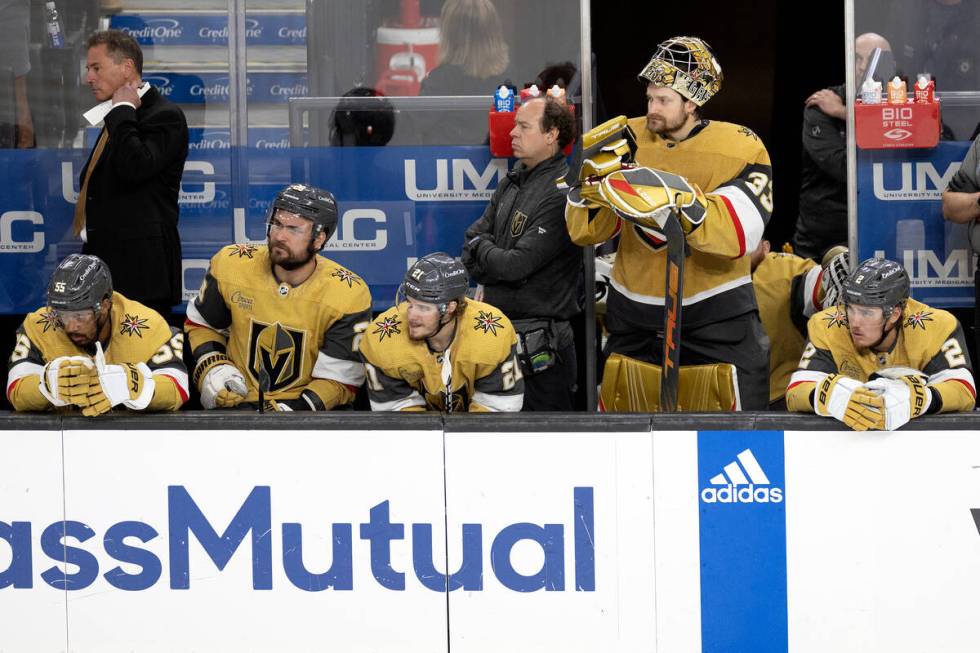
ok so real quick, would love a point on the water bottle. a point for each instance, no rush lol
(56, 35)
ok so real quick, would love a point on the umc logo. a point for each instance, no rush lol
(919, 181)
(742, 481)
(278, 350)
(8, 244)
(480, 187)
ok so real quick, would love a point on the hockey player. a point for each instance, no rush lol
(717, 177)
(882, 358)
(92, 349)
(437, 350)
(280, 315)
(789, 290)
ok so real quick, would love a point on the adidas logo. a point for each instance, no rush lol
(740, 483)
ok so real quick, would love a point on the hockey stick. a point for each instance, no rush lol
(673, 294)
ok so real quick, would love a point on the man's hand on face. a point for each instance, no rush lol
(127, 93)
(828, 102)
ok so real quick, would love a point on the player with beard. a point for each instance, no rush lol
(92, 349)
(879, 358)
(280, 310)
(719, 176)
(438, 350)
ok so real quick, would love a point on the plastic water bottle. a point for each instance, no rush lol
(56, 35)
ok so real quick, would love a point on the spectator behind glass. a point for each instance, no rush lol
(473, 60)
(355, 123)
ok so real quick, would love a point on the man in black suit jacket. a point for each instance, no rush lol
(127, 209)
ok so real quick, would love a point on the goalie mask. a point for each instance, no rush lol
(436, 278)
(314, 204)
(877, 282)
(80, 283)
(686, 65)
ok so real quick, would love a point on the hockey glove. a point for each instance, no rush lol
(605, 149)
(646, 197)
(835, 272)
(221, 384)
(65, 381)
(129, 384)
(904, 393)
(847, 400)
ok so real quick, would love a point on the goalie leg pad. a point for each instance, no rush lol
(632, 386)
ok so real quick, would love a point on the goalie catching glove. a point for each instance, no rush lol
(605, 149)
(129, 384)
(646, 197)
(222, 385)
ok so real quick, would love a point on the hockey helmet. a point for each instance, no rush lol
(686, 65)
(436, 278)
(877, 282)
(311, 203)
(80, 282)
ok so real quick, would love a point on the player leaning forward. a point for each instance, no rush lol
(438, 350)
(281, 310)
(718, 176)
(93, 349)
(882, 358)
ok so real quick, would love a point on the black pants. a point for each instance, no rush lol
(740, 341)
(553, 389)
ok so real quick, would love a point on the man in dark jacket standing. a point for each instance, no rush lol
(127, 206)
(520, 252)
(822, 223)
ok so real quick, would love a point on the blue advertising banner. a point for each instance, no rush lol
(900, 217)
(396, 204)
(742, 481)
(212, 87)
(261, 28)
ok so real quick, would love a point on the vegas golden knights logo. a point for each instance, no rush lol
(279, 350)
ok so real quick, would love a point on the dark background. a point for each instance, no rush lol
(772, 58)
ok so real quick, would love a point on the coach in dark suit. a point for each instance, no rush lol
(127, 208)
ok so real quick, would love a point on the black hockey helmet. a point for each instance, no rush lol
(436, 278)
(308, 202)
(79, 282)
(877, 282)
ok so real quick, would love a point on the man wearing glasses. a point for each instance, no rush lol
(280, 318)
(93, 349)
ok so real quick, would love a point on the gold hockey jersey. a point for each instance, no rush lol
(731, 165)
(773, 283)
(137, 335)
(305, 337)
(930, 340)
(480, 366)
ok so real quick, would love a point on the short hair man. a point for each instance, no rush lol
(822, 221)
(519, 250)
(94, 349)
(718, 177)
(437, 350)
(127, 208)
(882, 358)
(280, 317)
